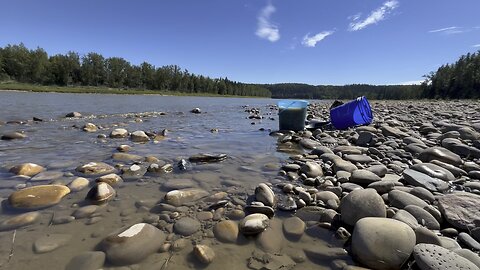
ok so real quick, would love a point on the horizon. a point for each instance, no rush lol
(260, 43)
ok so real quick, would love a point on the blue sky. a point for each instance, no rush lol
(306, 41)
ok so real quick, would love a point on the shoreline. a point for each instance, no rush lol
(18, 87)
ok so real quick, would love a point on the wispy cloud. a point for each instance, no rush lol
(265, 28)
(449, 30)
(476, 46)
(311, 41)
(375, 16)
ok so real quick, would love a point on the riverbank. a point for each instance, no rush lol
(26, 87)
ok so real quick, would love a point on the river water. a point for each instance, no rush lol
(58, 144)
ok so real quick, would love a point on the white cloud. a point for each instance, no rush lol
(416, 82)
(265, 28)
(376, 16)
(311, 41)
(449, 30)
(476, 46)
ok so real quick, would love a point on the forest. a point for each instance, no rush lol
(34, 66)
(23, 65)
(460, 80)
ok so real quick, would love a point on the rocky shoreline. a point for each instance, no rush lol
(392, 195)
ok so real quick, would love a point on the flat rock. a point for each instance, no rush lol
(47, 176)
(293, 227)
(173, 184)
(126, 157)
(417, 178)
(433, 257)
(38, 196)
(182, 196)
(95, 168)
(186, 226)
(358, 158)
(461, 209)
(441, 154)
(27, 169)
(434, 171)
(226, 231)
(133, 244)
(85, 211)
(19, 221)
(88, 260)
(382, 243)
(50, 242)
(13, 136)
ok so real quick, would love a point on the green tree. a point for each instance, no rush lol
(93, 69)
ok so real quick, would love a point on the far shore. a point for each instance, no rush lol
(23, 87)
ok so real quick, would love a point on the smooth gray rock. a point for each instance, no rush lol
(426, 236)
(469, 255)
(343, 165)
(361, 203)
(364, 177)
(423, 194)
(466, 239)
(312, 169)
(294, 227)
(358, 158)
(133, 244)
(407, 218)
(380, 170)
(50, 242)
(423, 217)
(461, 209)
(382, 243)
(401, 199)
(433, 257)
(417, 178)
(89, 260)
(382, 186)
(182, 196)
(186, 226)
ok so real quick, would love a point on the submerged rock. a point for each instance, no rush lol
(88, 260)
(27, 169)
(226, 231)
(19, 221)
(207, 158)
(38, 196)
(182, 196)
(133, 244)
(50, 242)
(186, 226)
(95, 168)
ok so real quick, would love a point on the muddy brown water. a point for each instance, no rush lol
(57, 145)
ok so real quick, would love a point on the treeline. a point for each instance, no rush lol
(21, 64)
(459, 80)
(305, 91)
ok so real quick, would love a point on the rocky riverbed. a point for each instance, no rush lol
(401, 193)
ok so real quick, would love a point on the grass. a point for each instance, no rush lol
(10, 85)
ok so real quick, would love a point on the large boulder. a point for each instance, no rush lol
(461, 209)
(361, 203)
(433, 257)
(382, 243)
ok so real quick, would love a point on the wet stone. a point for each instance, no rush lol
(204, 254)
(100, 193)
(254, 224)
(226, 231)
(50, 242)
(13, 136)
(27, 169)
(182, 196)
(133, 244)
(95, 168)
(119, 133)
(294, 227)
(88, 260)
(264, 194)
(47, 176)
(186, 226)
(38, 196)
(19, 221)
(85, 211)
(112, 179)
